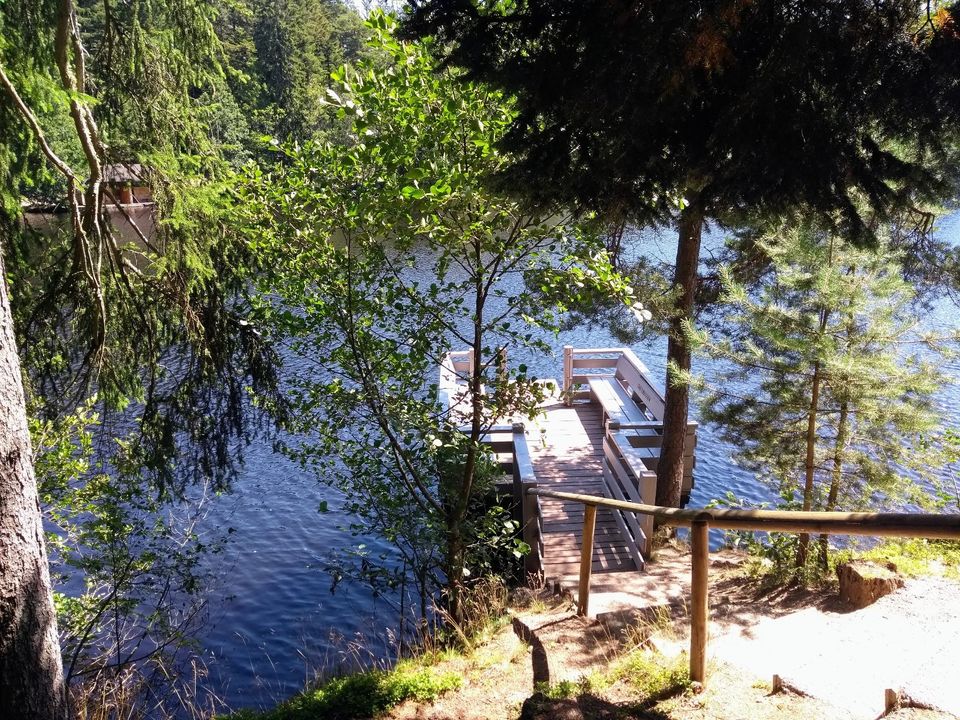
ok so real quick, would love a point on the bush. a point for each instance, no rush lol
(653, 675)
(364, 695)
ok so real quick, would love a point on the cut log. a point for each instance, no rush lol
(863, 582)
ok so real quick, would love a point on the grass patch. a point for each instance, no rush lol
(913, 556)
(652, 675)
(363, 695)
(563, 689)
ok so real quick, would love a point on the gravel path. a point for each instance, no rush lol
(908, 641)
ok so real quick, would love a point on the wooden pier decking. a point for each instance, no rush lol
(567, 455)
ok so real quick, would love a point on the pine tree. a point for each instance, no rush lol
(839, 379)
(298, 44)
(674, 112)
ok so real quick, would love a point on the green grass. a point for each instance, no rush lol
(652, 675)
(363, 695)
(561, 690)
(913, 557)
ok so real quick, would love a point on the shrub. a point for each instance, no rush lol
(364, 695)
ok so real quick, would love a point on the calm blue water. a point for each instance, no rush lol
(273, 620)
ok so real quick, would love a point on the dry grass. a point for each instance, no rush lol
(152, 691)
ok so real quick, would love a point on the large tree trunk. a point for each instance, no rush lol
(31, 670)
(670, 466)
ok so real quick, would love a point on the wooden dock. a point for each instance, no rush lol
(567, 455)
(599, 434)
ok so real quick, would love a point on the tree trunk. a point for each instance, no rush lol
(454, 570)
(839, 452)
(456, 547)
(31, 669)
(670, 465)
(810, 467)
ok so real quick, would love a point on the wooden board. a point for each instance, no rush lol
(569, 457)
(616, 402)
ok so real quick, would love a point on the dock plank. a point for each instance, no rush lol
(568, 457)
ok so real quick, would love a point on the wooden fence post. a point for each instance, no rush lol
(586, 559)
(567, 374)
(699, 602)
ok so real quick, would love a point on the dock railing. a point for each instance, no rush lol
(455, 368)
(700, 521)
(580, 365)
(631, 445)
(510, 443)
(628, 475)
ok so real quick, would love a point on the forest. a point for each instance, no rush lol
(247, 234)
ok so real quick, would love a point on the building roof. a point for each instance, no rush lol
(124, 172)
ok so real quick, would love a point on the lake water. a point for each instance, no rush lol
(273, 620)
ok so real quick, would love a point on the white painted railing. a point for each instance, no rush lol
(608, 375)
(452, 388)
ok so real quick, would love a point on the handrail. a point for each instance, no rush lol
(700, 520)
(596, 351)
(928, 525)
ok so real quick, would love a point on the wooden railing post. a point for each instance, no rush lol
(586, 559)
(519, 506)
(527, 504)
(568, 374)
(533, 562)
(699, 601)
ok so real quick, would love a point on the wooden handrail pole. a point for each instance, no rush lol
(567, 373)
(699, 602)
(533, 562)
(945, 526)
(586, 559)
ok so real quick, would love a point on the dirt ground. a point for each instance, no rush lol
(908, 641)
(835, 663)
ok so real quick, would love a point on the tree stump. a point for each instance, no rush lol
(864, 582)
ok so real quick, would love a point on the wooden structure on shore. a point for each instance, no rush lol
(585, 489)
(598, 434)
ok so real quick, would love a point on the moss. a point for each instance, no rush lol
(363, 695)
